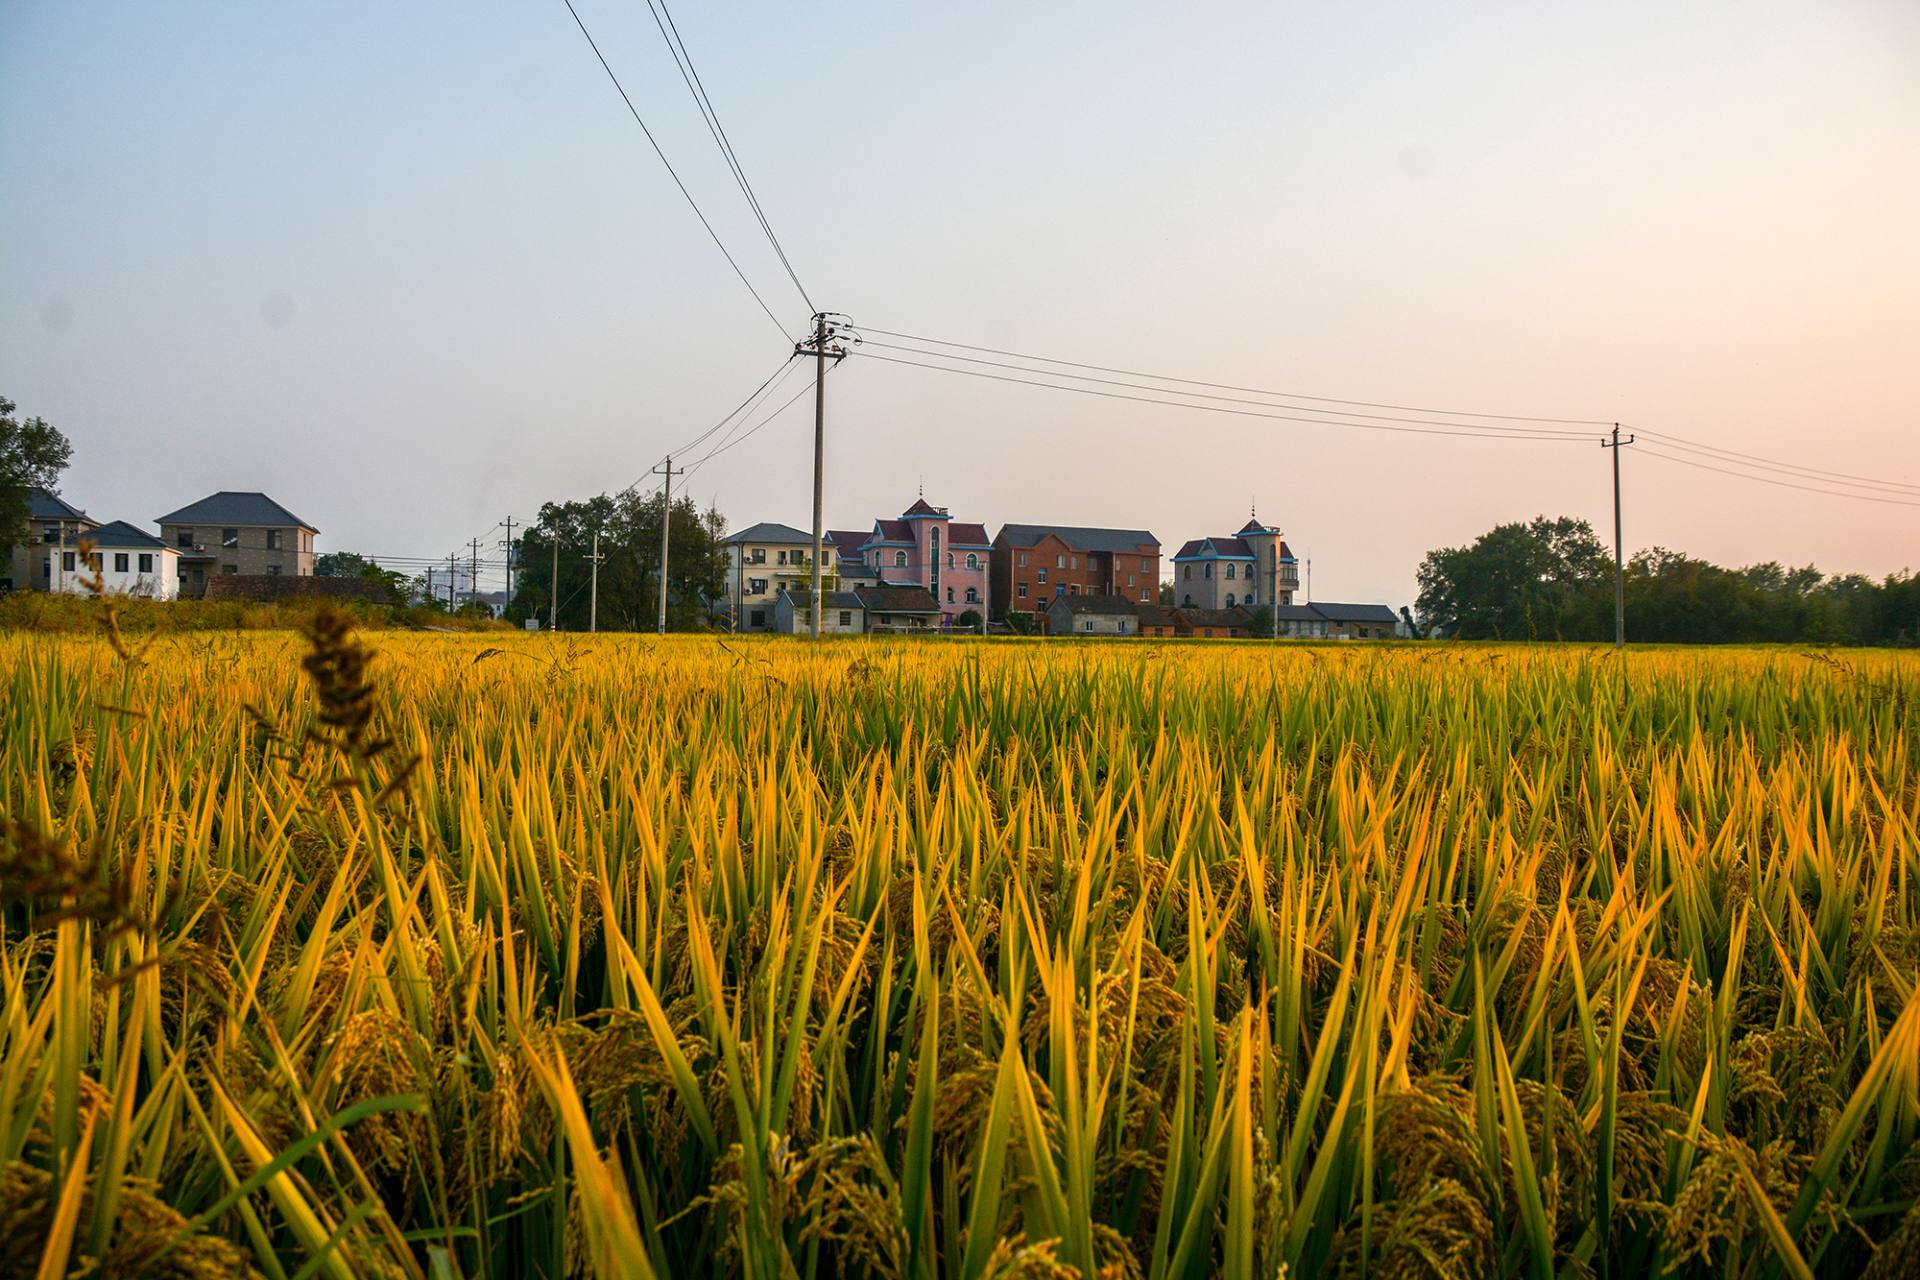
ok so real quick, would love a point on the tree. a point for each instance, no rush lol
(629, 529)
(32, 455)
(349, 564)
(1535, 580)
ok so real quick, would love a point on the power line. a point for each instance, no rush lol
(671, 171)
(683, 59)
(1784, 484)
(1202, 395)
(1483, 431)
(726, 445)
(779, 374)
(1770, 464)
(1224, 386)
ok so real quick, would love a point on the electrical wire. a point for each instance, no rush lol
(1753, 460)
(728, 444)
(672, 172)
(1225, 386)
(683, 59)
(1202, 395)
(1482, 431)
(1784, 484)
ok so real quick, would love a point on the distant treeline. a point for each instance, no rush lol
(1550, 579)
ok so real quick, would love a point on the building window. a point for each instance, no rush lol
(949, 595)
(1187, 603)
(1087, 625)
(1073, 562)
(1189, 569)
(1249, 599)
(1023, 559)
(1075, 588)
(1131, 581)
(273, 571)
(1021, 591)
(146, 562)
(899, 559)
(950, 560)
(1229, 599)
(781, 558)
(846, 617)
(1206, 570)
(50, 533)
(273, 539)
(1145, 566)
(973, 561)
(973, 595)
(758, 618)
(229, 537)
(184, 538)
(230, 569)
(759, 556)
(1059, 562)
(1059, 590)
(1230, 573)
(119, 562)
(67, 562)
(1043, 573)
(1146, 597)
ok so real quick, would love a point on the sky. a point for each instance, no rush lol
(413, 269)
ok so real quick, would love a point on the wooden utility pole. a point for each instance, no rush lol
(666, 523)
(593, 592)
(1619, 563)
(820, 344)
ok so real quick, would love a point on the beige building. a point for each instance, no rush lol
(762, 561)
(51, 554)
(1251, 569)
(231, 533)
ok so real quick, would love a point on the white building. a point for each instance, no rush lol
(130, 562)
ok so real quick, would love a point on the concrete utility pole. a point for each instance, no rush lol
(450, 604)
(666, 523)
(1619, 563)
(473, 576)
(820, 344)
(593, 593)
(508, 546)
(553, 584)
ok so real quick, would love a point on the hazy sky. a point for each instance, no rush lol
(411, 268)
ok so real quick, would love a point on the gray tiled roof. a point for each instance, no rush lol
(1355, 612)
(897, 600)
(1079, 537)
(1096, 604)
(43, 504)
(769, 531)
(835, 599)
(235, 508)
(121, 534)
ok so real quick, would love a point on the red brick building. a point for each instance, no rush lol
(1032, 564)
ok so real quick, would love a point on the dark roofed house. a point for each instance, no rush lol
(891, 608)
(926, 548)
(237, 532)
(1093, 616)
(844, 614)
(1213, 624)
(1157, 621)
(1358, 621)
(1253, 567)
(763, 560)
(1036, 564)
(40, 564)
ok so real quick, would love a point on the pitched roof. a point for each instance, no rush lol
(968, 535)
(769, 531)
(802, 597)
(1254, 526)
(1354, 612)
(44, 504)
(1234, 548)
(121, 534)
(1095, 604)
(234, 507)
(1235, 617)
(921, 508)
(897, 599)
(891, 531)
(1079, 537)
(1153, 615)
(847, 542)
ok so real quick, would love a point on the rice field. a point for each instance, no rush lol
(433, 956)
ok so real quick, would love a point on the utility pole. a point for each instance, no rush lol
(473, 575)
(450, 605)
(508, 545)
(553, 583)
(820, 345)
(1619, 563)
(593, 594)
(666, 523)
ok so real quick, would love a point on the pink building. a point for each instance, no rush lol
(925, 547)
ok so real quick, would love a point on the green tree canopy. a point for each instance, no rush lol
(33, 453)
(629, 529)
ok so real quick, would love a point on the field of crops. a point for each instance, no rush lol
(517, 955)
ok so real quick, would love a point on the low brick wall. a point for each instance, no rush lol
(252, 586)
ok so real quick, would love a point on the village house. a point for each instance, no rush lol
(243, 533)
(892, 608)
(925, 548)
(54, 530)
(762, 561)
(1213, 624)
(793, 613)
(126, 561)
(1035, 564)
(1093, 616)
(1252, 567)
